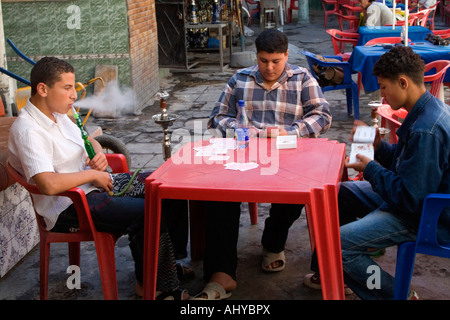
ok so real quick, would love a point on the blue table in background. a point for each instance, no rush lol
(415, 33)
(363, 59)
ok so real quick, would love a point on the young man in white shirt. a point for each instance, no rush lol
(46, 147)
(375, 13)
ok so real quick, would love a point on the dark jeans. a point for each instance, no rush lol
(222, 231)
(352, 206)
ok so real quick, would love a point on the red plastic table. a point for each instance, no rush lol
(309, 174)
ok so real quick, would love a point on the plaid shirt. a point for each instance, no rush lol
(295, 103)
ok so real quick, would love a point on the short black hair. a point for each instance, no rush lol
(271, 41)
(48, 70)
(400, 60)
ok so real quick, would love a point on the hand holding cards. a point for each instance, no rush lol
(363, 143)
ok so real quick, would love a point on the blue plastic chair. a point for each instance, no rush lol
(426, 243)
(351, 88)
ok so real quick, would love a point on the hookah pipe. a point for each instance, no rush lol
(91, 153)
(87, 144)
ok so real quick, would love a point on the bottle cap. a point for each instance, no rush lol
(241, 103)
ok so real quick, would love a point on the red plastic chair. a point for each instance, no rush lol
(421, 16)
(443, 33)
(292, 6)
(432, 14)
(335, 9)
(252, 11)
(352, 22)
(339, 39)
(411, 22)
(436, 79)
(104, 242)
(391, 118)
(390, 40)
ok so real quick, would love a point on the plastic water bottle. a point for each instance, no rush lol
(402, 35)
(241, 132)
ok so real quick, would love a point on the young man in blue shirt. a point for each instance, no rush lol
(384, 210)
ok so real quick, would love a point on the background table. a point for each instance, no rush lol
(415, 33)
(364, 58)
(306, 175)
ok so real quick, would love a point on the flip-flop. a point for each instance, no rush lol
(269, 258)
(211, 289)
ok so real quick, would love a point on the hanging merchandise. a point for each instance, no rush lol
(193, 17)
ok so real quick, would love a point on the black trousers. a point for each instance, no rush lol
(222, 232)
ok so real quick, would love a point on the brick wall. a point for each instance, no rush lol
(143, 50)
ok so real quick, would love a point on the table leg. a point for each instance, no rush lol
(151, 239)
(325, 220)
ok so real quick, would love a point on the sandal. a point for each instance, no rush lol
(211, 289)
(269, 258)
(177, 294)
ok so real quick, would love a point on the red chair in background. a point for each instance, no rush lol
(340, 39)
(328, 12)
(443, 33)
(431, 15)
(252, 11)
(291, 7)
(436, 78)
(104, 242)
(421, 17)
(352, 21)
(411, 22)
(391, 118)
(389, 40)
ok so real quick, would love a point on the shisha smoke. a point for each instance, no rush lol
(113, 101)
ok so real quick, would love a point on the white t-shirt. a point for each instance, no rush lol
(378, 14)
(427, 3)
(37, 144)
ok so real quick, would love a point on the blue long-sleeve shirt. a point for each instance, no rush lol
(418, 164)
(295, 103)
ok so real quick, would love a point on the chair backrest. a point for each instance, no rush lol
(312, 60)
(352, 20)
(443, 33)
(432, 14)
(437, 78)
(340, 38)
(427, 236)
(422, 17)
(390, 40)
(392, 118)
(411, 22)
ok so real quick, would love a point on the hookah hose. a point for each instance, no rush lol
(91, 154)
(121, 192)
